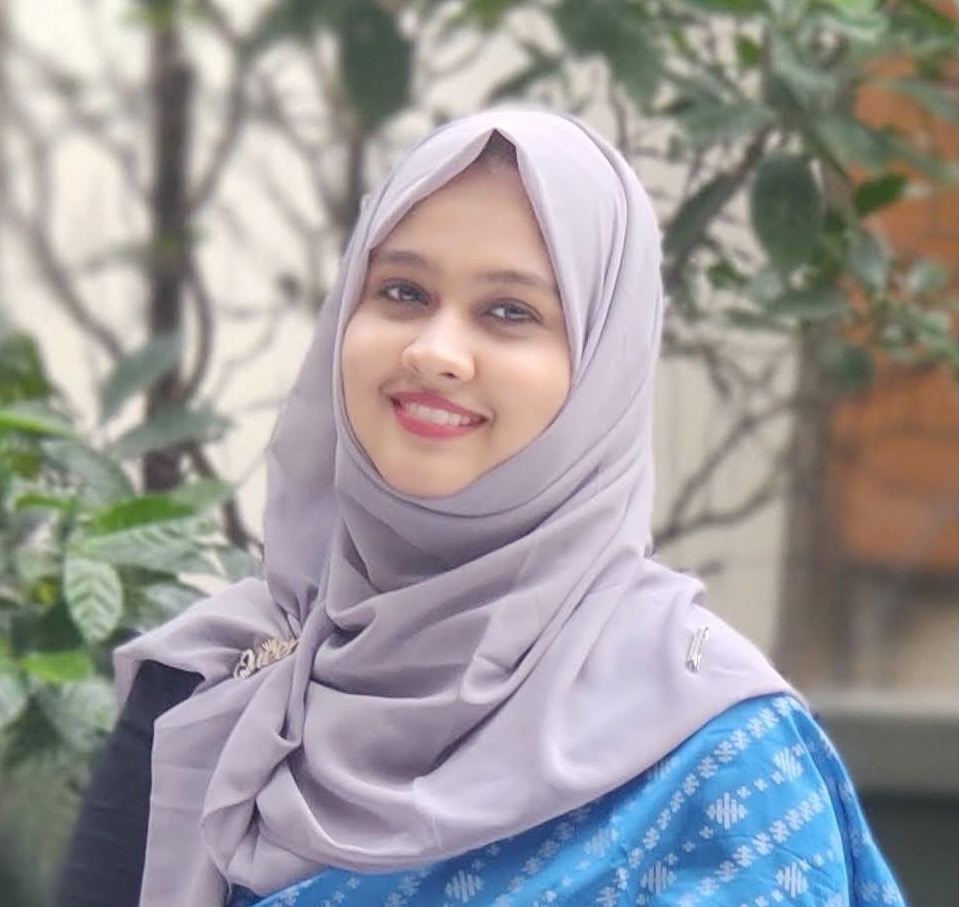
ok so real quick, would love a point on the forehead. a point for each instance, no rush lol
(482, 211)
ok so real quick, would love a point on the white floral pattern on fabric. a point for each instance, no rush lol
(754, 810)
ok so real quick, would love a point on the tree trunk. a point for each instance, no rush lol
(812, 623)
(172, 95)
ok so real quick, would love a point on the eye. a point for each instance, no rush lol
(512, 312)
(402, 292)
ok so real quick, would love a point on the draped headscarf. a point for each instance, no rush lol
(468, 666)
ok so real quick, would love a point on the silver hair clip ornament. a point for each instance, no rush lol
(262, 655)
(694, 654)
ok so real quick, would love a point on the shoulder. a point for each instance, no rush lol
(761, 757)
(755, 804)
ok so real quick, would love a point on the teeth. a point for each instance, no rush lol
(436, 416)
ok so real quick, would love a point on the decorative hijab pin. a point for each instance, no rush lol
(262, 655)
(694, 654)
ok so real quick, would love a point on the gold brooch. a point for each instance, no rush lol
(262, 655)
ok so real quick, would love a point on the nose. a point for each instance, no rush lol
(441, 349)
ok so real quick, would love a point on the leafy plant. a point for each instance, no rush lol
(86, 561)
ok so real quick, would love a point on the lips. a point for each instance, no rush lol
(431, 400)
(431, 415)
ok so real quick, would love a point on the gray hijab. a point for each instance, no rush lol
(469, 666)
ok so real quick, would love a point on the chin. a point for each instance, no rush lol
(423, 486)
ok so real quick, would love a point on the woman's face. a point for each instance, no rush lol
(456, 356)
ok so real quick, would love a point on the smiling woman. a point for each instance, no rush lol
(456, 356)
(464, 679)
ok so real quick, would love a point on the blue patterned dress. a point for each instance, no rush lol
(754, 810)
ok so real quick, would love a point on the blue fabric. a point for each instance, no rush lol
(755, 810)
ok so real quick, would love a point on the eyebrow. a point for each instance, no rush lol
(499, 276)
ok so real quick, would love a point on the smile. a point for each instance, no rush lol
(428, 415)
(436, 416)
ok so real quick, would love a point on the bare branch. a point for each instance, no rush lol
(35, 230)
(235, 118)
(94, 126)
(57, 276)
(203, 306)
(261, 344)
(762, 493)
(746, 425)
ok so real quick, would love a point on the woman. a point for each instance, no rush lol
(464, 680)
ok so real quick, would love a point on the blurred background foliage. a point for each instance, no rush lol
(775, 185)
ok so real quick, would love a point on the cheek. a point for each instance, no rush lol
(361, 353)
(556, 381)
(538, 386)
(350, 357)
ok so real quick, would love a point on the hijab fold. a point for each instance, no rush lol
(469, 666)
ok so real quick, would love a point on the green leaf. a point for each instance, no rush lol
(42, 499)
(806, 78)
(922, 21)
(854, 7)
(748, 52)
(524, 79)
(202, 494)
(102, 481)
(169, 428)
(724, 275)
(813, 304)
(157, 13)
(926, 276)
(733, 7)
(751, 320)
(939, 100)
(933, 165)
(619, 32)
(13, 698)
(138, 371)
(82, 711)
(22, 376)
(869, 260)
(375, 60)
(637, 65)
(786, 210)
(58, 667)
(690, 224)
(710, 124)
(34, 418)
(930, 326)
(864, 28)
(875, 194)
(171, 598)
(296, 20)
(168, 547)
(853, 142)
(94, 596)
(237, 564)
(147, 508)
(488, 14)
(849, 366)
(33, 565)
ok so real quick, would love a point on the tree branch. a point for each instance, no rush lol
(234, 527)
(235, 118)
(675, 524)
